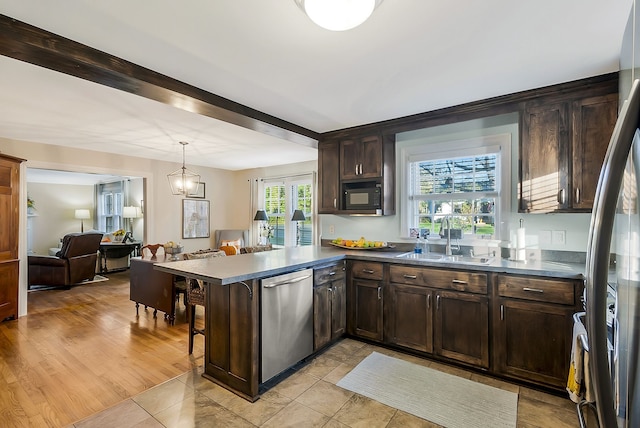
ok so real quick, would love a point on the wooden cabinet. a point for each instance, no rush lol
(152, 288)
(462, 327)
(231, 344)
(562, 147)
(354, 161)
(533, 328)
(328, 177)
(9, 228)
(361, 157)
(329, 299)
(437, 311)
(365, 299)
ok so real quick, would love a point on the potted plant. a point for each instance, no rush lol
(31, 205)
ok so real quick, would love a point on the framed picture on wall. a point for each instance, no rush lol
(195, 219)
(200, 193)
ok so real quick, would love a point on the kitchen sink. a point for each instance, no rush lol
(435, 257)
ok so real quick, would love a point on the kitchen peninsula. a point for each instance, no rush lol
(388, 300)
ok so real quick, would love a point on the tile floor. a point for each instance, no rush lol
(307, 398)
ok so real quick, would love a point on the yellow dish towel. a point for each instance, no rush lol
(578, 371)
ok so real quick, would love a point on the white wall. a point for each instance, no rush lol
(387, 228)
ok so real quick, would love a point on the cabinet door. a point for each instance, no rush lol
(321, 316)
(338, 308)
(544, 155)
(231, 352)
(366, 309)
(328, 161)
(462, 327)
(349, 159)
(371, 160)
(410, 322)
(9, 264)
(533, 341)
(593, 122)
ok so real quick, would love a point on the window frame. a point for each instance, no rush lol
(499, 143)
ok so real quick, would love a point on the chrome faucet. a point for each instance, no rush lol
(447, 249)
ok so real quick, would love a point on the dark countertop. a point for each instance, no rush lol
(244, 267)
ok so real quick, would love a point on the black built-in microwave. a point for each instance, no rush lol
(362, 198)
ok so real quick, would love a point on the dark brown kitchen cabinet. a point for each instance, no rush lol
(562, 147)
(231, 353)
(329, 304)
(361, 157)
(365, 290)
(462, 327)
(445, 312)
(328, 177)
(533, 328)
(9, 228)
(410, 317)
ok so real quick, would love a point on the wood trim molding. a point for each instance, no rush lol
(36, 46)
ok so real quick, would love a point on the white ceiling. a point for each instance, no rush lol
(412, 56)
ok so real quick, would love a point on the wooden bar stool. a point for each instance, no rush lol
(195, 296)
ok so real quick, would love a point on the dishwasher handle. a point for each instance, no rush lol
(287, 281)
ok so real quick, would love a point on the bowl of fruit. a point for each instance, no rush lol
(359, 244)
(173, 248)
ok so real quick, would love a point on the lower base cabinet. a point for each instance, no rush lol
(409, 317)
(329, 304)
(365, 300)
(462, 327)
(231, 354)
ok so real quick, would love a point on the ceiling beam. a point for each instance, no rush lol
(36, 46)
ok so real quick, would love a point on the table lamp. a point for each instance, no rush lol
(82, 215)
(130, 213)
(298, 216)
(261, 216)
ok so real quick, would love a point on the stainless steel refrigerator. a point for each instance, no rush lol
(613, 258)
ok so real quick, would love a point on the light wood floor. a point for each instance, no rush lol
(82, 350)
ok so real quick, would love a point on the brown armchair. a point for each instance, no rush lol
(75, 262)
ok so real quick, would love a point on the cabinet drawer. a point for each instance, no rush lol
(367, 270)
(324, 274)
(541, 290)
(437, 278)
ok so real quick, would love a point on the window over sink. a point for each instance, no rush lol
(462, 181)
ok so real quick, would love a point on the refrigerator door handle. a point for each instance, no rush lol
(598, 248)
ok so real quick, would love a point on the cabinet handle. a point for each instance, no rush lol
(428, 301)
(356, 169)
(438, 302)
(330, 290)
(379, 293)
(410, 276)
(459, 281)
(360, 169)
(501, 312)
(332, 273)
(577, 195)
(369, 271)
(561, 196)
(533, 290)
(335, 202)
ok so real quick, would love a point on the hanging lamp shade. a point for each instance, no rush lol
(338, 15)
(182, 181)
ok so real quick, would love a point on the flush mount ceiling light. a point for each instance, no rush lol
(183, 181)
(338, 15)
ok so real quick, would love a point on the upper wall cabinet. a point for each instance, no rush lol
(356, 162)
(562, 147)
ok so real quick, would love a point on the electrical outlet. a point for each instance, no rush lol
(558, 237)
(332, 229)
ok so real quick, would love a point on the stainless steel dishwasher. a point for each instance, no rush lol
(287, 321)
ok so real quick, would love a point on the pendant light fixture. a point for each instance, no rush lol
(182, 181)
(338, 15)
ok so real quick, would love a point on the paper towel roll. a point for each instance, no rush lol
(521, 253)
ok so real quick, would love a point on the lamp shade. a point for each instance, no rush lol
(261, 215)
(183, 181)
(82, 214)
(298, 215)
(129, 212)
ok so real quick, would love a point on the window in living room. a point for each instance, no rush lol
(110, 198)
(281, 197)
